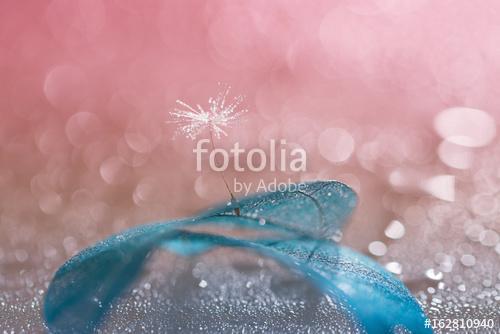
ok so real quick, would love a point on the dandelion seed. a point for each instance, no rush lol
(193, 121)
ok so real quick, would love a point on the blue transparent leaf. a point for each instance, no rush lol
(293, 235)
(317, 209)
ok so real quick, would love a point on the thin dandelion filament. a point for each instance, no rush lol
(192, 121)
(233, 199)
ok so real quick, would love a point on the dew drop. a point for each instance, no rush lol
(336, 145)
(394, 267)
(484, 204)
(50, 202)
(65, 87)
(489, 238)
(440, 186)
(434, 274)
(377, 248)
(144, 192)
(468, 260)
(83, 128)
(138, 142)
(487, 283)
(465, 126)
(113, 170)
(21, 255)
(474, 231)
(395, 230)
(454, 155)
(400, 329)
(70, 244)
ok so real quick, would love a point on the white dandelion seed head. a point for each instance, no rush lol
(192, 121)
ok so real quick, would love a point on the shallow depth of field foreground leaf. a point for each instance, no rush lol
(292, 228)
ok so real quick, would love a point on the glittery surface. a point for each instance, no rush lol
(398, 99)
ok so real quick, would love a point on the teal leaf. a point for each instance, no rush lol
(291, 228)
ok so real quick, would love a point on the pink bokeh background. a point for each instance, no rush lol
(87, 86)
(364, 86)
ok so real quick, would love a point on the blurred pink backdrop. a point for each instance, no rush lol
(87, 85)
